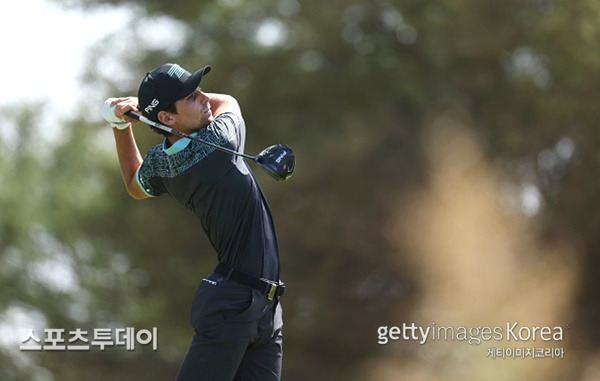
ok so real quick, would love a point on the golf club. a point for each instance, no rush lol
(278, 160)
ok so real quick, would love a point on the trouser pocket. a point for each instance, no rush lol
(217, 301)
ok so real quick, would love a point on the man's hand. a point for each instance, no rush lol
(114, 109)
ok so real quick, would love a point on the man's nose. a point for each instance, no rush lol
(204, 97)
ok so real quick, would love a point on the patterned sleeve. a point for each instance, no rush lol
(229, 127)
(147, 176)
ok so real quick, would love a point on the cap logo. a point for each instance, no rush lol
(176, 71)
(151, 106)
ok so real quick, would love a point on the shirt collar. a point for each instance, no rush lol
(178, 146)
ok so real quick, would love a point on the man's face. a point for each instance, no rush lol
(193, 112)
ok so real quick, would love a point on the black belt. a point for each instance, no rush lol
(269, 288)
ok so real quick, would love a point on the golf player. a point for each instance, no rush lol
(235, 312)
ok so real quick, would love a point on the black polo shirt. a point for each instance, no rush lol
(221, 190)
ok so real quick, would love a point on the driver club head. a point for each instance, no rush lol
(278, 160)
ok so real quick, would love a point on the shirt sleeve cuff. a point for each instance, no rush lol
(145, 189)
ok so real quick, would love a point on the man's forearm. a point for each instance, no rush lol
(220, 103)
(130, 160)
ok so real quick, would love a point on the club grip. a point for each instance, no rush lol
(133, 115)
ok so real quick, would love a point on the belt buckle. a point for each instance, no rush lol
(272, 291)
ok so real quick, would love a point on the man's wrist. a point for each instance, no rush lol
(121, 125)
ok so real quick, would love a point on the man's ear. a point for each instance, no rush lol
(165, 118)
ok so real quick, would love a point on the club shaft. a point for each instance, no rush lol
(170, 130)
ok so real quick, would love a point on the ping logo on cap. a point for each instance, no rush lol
(176, 71)
(151, 106)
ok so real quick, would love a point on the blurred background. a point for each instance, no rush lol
(446, 173)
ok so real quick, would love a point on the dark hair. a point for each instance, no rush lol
(172, 108)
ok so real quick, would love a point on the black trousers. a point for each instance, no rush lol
(238, 334)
